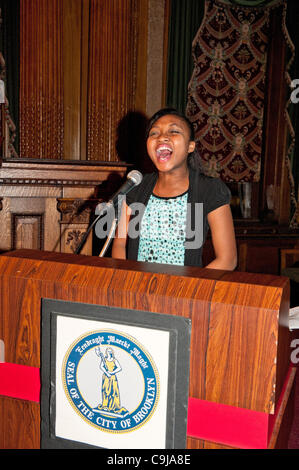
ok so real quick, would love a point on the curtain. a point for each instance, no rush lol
(226, 92)
(185, 17)
(185, 20)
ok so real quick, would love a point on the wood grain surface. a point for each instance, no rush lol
(239, 340)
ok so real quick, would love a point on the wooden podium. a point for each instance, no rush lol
(241, 381)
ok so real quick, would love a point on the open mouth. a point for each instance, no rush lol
(163, 153)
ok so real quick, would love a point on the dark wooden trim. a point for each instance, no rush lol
(273, 165)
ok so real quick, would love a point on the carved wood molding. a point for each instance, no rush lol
(76, 210)
(24, 172)
(47, 182)
(49, 205)
(74, 238)
(76, 216)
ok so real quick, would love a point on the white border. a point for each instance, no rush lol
(69, 424)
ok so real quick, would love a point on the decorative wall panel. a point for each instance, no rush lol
(112, 72)
(49, 206)
(27, 231)
(41, 86)
(78, 75)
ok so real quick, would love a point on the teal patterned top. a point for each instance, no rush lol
(163, 230)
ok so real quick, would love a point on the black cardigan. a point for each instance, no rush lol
(212, 192)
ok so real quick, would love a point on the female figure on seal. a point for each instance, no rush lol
(110, 389)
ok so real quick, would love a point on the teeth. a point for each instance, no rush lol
(164, 147)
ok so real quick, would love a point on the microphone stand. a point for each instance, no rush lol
(109, 238)
(80, 246)
(133, 178)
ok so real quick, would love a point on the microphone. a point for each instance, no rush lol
(134, 178)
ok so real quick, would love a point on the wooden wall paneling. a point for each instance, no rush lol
(288, 257)
(62, 174)
(51, 218)
(5, 222)
(263, 254)
(274, 166)
(37, 206)
(27, 231)
(142, 52)
(75, 59)
(112, 73)
(2, 120)
(41, 81)
(31, 191)
(257, 253)
(156, 72)
(165, 50)
(82, 68)
(27, 221)
(72, 14)
(76, 216)
(84, 79)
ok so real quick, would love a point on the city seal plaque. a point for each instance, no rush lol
(111, 381)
